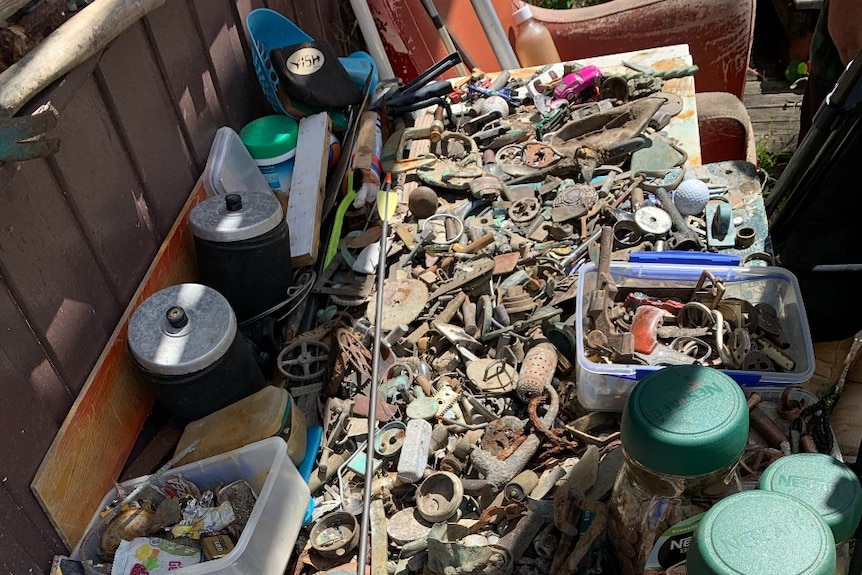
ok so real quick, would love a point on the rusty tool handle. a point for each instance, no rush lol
(685, 238)
(606, 247)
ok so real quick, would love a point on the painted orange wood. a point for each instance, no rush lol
(100, 430)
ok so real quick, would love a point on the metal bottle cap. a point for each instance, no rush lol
(181, 329)
(235, 217)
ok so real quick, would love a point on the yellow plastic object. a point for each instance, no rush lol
(258, 416)
(335, 236)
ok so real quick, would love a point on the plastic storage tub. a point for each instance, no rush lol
(606, 386)
(267, 541)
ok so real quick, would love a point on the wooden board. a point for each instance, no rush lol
(233, 74)
(307, 189)
(119, 225)
(148, 125)
(97, 436)
(183, 63)
(52, 273)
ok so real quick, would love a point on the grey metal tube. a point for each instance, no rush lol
(496, 35)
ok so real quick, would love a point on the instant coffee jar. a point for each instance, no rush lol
(243, 251)
(683, 431)
(184, 339)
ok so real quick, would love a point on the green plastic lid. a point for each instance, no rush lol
(761, 532)
(685, 420)
(824, 483)
(270, 136)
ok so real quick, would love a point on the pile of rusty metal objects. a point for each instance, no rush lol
(510, 190)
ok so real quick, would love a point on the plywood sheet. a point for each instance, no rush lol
(97, 436)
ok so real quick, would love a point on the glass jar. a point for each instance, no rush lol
(827, 485)
(683, 430)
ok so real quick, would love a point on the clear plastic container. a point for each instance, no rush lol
(683, 431)
(267, 540)
(534, 44)
(605, 386)
(230, 168)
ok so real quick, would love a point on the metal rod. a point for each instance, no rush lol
(372, 38)
(372, 400)
(496, 35)
(443, 31)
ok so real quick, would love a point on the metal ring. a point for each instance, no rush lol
(758, 257)
(684, 313)
(443, 216)
(692, 343)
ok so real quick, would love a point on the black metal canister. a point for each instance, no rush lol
(184, 339)
(243, 250)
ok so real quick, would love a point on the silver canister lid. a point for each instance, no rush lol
(235, 217)
(181, 329)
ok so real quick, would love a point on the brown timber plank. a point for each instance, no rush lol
(185, 68)
(106, 196)
(40, 243)
(329, 14)
(95, 440)
(241, 98)
(142, 107)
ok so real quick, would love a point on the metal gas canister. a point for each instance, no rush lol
(243, 250)
(184, 340)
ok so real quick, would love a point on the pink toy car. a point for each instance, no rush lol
(580, 85)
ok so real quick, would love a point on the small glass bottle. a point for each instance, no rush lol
(827, 485)
(761, 532)
(683, 430)
(534, 44)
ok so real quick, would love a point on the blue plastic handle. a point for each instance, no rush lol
(313, 437)
(685, 258)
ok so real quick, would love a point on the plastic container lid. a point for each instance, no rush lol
(685, 420)
(236, 217)
(270, 136)
(230, 168)
(824, 483)
(761, 532)
(522, 14)
(181, 329)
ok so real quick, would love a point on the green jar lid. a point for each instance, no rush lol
(761, 532)
(824, 483)
(685, 420)
(270, 136)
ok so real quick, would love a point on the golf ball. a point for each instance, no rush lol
(493, 103)
(690, 197)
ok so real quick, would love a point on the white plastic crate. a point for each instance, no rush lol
(267, 541)
(606, 386)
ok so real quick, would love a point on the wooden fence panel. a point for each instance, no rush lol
(53, 273)
(148, 124)
(78, 230)
(185, 69)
